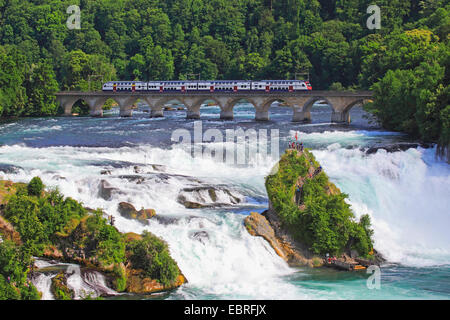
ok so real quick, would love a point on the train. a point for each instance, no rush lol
(208, 86)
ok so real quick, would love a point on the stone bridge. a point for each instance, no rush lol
(301, 102)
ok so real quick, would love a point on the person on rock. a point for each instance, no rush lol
(298, 194)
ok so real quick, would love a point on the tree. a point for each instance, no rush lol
(41, 87)
(78, 66)
(159, 63)
(287, 62)
(12, 94)
(35, 187)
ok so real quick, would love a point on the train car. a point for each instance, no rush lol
(179, 86)
(121, 86)
(243, 85)
(260, 86)
(281, 85)
(208, 85)
(155, 86)
(224, 86)
(232, 85)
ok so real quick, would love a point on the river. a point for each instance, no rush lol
(406, 193)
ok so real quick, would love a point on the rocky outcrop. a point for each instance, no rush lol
(9, 168)
(127, 210)
(137, 280)
(294, 209)
(140, 284)
(207, 197)
(268, 226)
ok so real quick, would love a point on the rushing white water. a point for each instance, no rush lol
(84, 283)
(405, 193)
(43, 282)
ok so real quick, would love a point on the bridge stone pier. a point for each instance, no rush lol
(301, 102)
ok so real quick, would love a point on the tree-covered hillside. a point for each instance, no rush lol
(232, 39)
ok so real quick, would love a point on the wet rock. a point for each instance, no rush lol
(133, 178)
(257, 225)
(401, 146)
(128, 211)
(117, 164)
(166, 220)
(139, 284)
(201, 236)
(268, 226)
(137, 169)
(106, 190)
(207, 197)
(9, 168)
(158, 167)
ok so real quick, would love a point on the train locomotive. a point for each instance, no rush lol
(208, 86)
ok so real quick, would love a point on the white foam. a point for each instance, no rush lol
(407, 199)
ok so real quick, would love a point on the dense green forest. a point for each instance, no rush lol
(405, 61)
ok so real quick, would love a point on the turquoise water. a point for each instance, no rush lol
(405, 193)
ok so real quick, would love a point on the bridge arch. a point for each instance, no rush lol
(228, 108)
(268, 102)
(309, 103)
(67, 104)
(352, 104)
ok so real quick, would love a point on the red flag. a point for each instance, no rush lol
(296, 135)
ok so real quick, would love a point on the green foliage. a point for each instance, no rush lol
(23, 212)
(109, 242)
(7, 291)
(38, 216)
(413, 99)
(35, 187)
(151, 254)
(326, 223)
(120, 282)
(14, 267)
(60, 289)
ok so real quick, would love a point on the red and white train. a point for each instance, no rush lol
(211, 86)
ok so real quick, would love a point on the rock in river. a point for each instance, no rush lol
(127, 210)
(208, 196)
